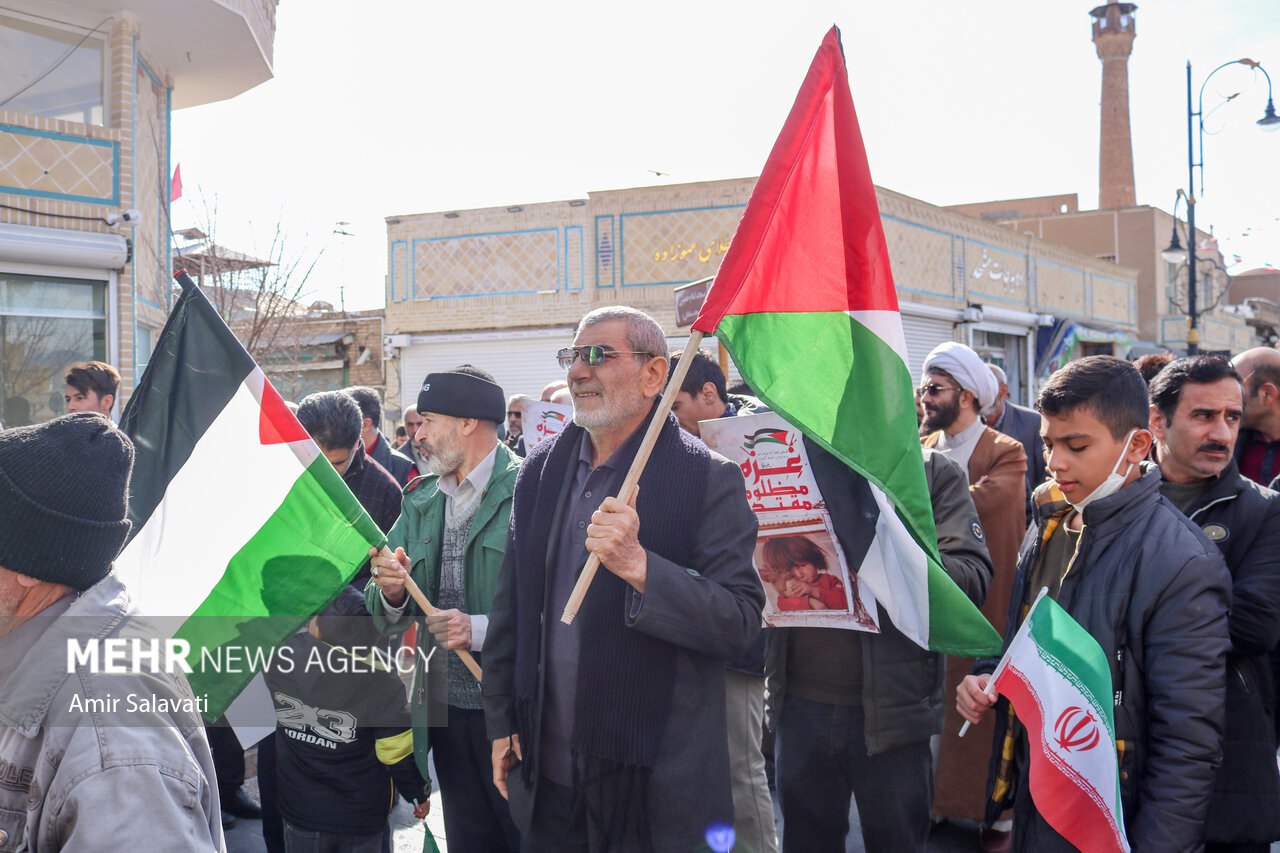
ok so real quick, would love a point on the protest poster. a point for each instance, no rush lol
(543, 420)
(806, 579)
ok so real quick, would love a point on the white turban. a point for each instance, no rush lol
(967, 368)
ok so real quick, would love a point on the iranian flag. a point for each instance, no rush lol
(241, 528)
(1057, 678)
(804, 302)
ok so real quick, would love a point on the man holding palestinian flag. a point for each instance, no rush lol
(1126, 572)
(805, 303)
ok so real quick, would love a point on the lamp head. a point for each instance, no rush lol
(1174, 254)
(1269, 121)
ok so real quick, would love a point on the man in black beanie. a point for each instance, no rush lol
(82, 753)
(452, 534)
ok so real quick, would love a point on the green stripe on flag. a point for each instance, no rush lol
(848, 390)
(1075, 655)
(291, 568)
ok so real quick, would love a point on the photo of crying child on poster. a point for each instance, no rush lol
(806, 580)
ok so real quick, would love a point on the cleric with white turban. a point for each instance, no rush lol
(966, 367)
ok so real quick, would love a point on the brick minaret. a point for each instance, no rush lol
(1113, 33)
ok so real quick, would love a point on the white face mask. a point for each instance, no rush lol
(1113, 483)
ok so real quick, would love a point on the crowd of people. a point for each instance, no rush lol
(664, 718)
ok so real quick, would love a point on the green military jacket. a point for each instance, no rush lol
(420, 531)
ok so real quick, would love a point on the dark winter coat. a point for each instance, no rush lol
(1243, 519)
(1154, 593)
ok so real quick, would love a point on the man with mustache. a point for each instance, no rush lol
(1196, 412)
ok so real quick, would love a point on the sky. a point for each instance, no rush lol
(404, 106)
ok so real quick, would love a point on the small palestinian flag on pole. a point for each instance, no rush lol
(1057, 678)
(241, 528)
(804, 301)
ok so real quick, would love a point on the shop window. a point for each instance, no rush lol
(51, 71)
(46, 324)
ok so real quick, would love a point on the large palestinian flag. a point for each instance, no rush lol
(804, 302)
(1057, 678)
(241, 528)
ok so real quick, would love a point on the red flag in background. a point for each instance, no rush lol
(175, 185)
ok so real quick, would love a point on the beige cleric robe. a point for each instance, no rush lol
(998, 486)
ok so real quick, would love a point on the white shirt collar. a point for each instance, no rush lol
(966, 436)
(475, 481)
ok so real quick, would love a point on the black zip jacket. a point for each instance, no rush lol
(1154, 593)
(1243, 520)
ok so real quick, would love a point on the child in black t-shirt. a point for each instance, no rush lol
(342, 735)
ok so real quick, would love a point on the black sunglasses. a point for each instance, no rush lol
(933, 388)
(592, 355)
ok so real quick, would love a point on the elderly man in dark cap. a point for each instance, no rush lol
(85, 761)
(451, 536)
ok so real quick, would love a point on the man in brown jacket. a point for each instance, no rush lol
(957, 385)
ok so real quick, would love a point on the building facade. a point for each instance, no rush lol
(1135, 237)
(86, 94)
(504, 287)
(319, 349)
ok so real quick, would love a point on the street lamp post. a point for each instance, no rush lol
(1195, 121)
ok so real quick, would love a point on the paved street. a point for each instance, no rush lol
(247, 836)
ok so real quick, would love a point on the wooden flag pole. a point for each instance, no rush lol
(637, 468)
(428, 608)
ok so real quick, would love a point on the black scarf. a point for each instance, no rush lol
(625, 677)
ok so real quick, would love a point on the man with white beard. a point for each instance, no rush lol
(451, 536)
(618, 720)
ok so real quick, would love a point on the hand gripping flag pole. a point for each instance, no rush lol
(637, 468)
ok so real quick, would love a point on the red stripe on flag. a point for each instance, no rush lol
(810, 239)
(277, 425)
(1063, 797)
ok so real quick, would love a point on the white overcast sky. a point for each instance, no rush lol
(404, 106)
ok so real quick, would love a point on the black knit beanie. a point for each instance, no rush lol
(64, 495)
(464, 392)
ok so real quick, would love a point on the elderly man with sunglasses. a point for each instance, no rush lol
(609, 733)
(956, 386)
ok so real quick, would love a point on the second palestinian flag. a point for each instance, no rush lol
(242, 529)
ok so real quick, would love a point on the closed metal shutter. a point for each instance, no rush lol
(923, 334)
(521, 363)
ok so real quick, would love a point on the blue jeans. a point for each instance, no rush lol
(822, 761)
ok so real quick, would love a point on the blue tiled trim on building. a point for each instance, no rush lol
(1133, 317)
(951, 239)
(564, 266)
(559, 261)
(113, 199)
(620, 255)
(613, 253)
(133, 195)
(394, 266)
(168, 197)
(1022, 256)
